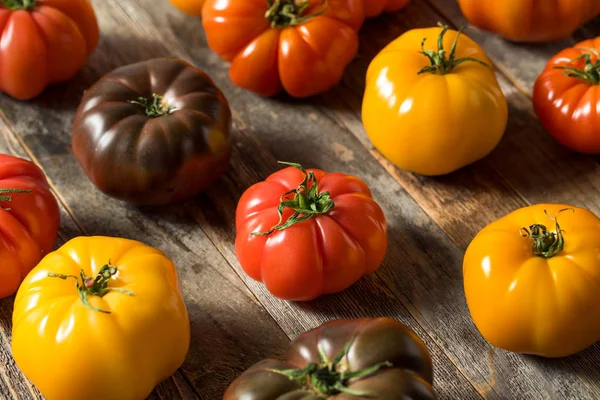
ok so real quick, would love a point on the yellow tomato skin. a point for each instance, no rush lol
(71, 352)
(192, 7)
(432, 124)
(529, 304)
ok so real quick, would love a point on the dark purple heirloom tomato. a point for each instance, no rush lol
(377, 359)
(153, 132)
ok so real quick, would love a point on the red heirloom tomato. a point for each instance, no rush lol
(29, 219)
(566, 97)
(375, 7)
(302, 46)
(43, 42)
(304, 233)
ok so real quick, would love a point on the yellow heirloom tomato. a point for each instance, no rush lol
(100, 319)
(433, 111)
(532, 280)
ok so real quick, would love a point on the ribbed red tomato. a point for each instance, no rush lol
(43, 42)
(304, 233)
(375, 7)
(300, 46)
(566, 97)
(29, 219)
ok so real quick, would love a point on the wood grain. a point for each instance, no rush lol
(235, 322)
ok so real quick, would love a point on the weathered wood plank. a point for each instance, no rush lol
(521, 63)
(417, 287)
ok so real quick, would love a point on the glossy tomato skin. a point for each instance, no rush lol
(432, 124)
(192, 7)
(325, 254)
(302, 59)
(375, 7)
(152, 161)
(47, 44)
(529, 304)
(377, 340)
(28, 229)
(566, 106)
(530, 20)
(71, 352)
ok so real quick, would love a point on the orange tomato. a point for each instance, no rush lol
(43, 42)
(375, 7)
(531, 280)
(567, 94)
(530, 20)
(301, 47)
(192, 7)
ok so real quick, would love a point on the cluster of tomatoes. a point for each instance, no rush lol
(158, 131)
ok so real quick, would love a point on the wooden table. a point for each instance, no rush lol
(235, 322)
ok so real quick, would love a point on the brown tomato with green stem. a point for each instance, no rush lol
(378, 359)
(153, 132)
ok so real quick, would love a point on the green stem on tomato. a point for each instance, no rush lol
(154, 107)
(591, 70)
(283, 13)
(546, 244)
(325, 378)
(97, 286)
(15, 5)
(5, 195)
(306, 203)
(442, 63)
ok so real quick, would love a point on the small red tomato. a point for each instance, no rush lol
(29, 219)
(566, 97)
(43, 42)
(300, 46)
(304, 233)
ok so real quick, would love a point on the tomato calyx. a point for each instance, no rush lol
(15, 5)
(306, 203)
(5, 195)
(590, 72)
(546, 244)
(440, 64)
(283, 13)
(154, 107)
(97, 286)
(329, 378)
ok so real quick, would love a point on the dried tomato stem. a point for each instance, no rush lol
(283, 13)
(94, 286)
(154, 107)
(440, 64)
(5, 195)
(18, 4)
(306, 203)
(546, 244)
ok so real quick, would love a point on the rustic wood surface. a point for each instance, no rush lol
(235, 321)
